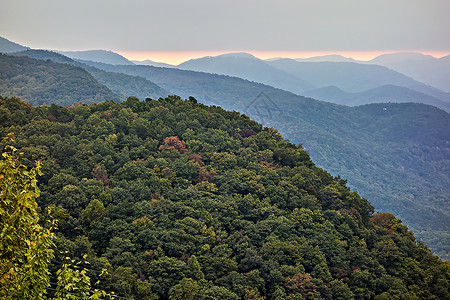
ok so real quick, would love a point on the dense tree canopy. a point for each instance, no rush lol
(395, 154)
(183, 201)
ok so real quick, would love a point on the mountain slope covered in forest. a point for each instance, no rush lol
(119, 83)
(46, 82)
(336, 136)
(6, 46)
(338, 139)
(178, 199)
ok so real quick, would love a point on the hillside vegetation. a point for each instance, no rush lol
(6, 46)
(341, 140)
(179, 200)
(124, 85)
(47, 82)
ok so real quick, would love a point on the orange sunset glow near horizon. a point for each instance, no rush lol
(178, 57)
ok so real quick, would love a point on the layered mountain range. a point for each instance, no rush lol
(395, 155)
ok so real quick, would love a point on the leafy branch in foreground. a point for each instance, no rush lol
(26, 247)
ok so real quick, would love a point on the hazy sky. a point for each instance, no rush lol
(132, 26)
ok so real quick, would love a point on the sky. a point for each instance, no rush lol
(166, 30)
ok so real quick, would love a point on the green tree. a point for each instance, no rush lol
(75, 284)
(25, 246)
(193, 269)
(187, 289)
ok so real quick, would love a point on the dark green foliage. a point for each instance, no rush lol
(183, 201)
(408, 175)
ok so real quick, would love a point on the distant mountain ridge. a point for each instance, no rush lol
(382, 94)
(246, 66)
(425, 68)
(421, 67)
(103, 56)
(361, 83)
(327, 58)
(46, 54)
(149, 62)
(353, 77)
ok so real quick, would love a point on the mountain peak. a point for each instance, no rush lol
(103, 56)
(400, 56)
(238, 54)
(328, 58)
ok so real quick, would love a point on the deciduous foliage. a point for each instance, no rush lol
(25, 246)
(205, 203)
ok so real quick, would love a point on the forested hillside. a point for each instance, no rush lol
(124, 85)
(340, 140)
(47, 82)
(6, 46)
(179, 200)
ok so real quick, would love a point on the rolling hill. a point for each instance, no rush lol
(107, 57)
(382, 94)
(328, 58)
(6, 46)
(46, 82)
(122, 84)
(149, 62)
(424, 68)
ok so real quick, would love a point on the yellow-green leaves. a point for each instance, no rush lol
(25, 247)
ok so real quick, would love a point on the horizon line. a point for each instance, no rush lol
(178, 57)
